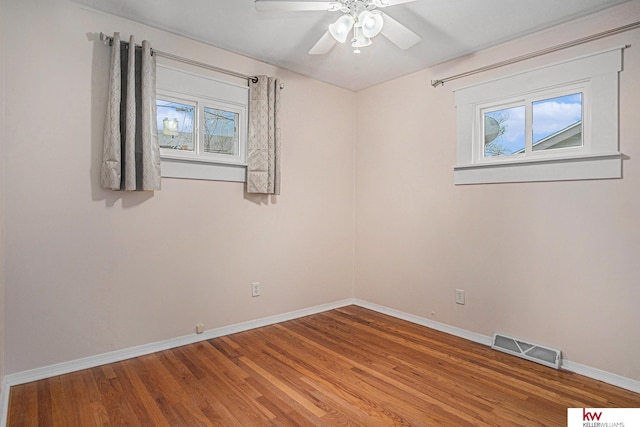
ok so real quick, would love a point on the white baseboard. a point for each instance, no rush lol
(128, 353)
(600, 375)
(442, 327)
(141, 350)
(567, 365)
(4, 401)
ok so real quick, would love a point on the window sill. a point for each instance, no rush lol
(189, 169)
(203, 158)
(588, 166)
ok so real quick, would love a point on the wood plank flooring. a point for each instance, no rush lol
(348, 366)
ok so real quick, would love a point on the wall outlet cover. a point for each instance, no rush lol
(255, 289)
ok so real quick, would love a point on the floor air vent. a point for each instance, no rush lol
(534, 352)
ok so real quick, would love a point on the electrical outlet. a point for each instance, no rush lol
(460, 296)
(199, 328)
(255, 289)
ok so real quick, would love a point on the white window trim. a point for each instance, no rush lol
(228, 96)
(598, 158)
(189, 169)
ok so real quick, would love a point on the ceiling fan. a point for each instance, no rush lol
(361, 16)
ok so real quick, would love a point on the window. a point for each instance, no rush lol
(539, 122)
(557, 122)
(199, 129)
(553, 123)
(202, 126)
(176, 122)
(220, 131)
(504, 131)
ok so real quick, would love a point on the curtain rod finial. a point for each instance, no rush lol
(106, 39)
(435, 83)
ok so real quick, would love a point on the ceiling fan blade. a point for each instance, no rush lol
(295, 6)
(398, 34)
(324, 45)
(385, 3)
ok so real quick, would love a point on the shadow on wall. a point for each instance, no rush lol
(260, 199)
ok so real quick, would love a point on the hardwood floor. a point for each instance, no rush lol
(348, 366)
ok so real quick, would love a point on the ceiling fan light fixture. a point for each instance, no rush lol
(359, 39)
(361, 16)
(340, 29)
(371, 23)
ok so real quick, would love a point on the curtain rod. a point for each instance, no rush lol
(108, 39)
(537, 53)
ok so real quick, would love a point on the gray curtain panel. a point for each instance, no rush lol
(131, 154)
(263, 151)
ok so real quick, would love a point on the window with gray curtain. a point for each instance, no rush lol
(263, 151)
(131, 154)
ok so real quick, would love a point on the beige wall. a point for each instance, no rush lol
(556, 263)
(90, 271)
(2, 171)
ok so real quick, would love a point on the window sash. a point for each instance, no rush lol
(199, 153)
(177, 100)
(527, 102)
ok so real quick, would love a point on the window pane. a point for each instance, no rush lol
(175, 125)
(504, 132)
(220, 131)
(557, 122)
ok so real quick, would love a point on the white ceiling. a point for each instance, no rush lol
(449, 29)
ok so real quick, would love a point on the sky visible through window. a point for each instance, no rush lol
(549, 117)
